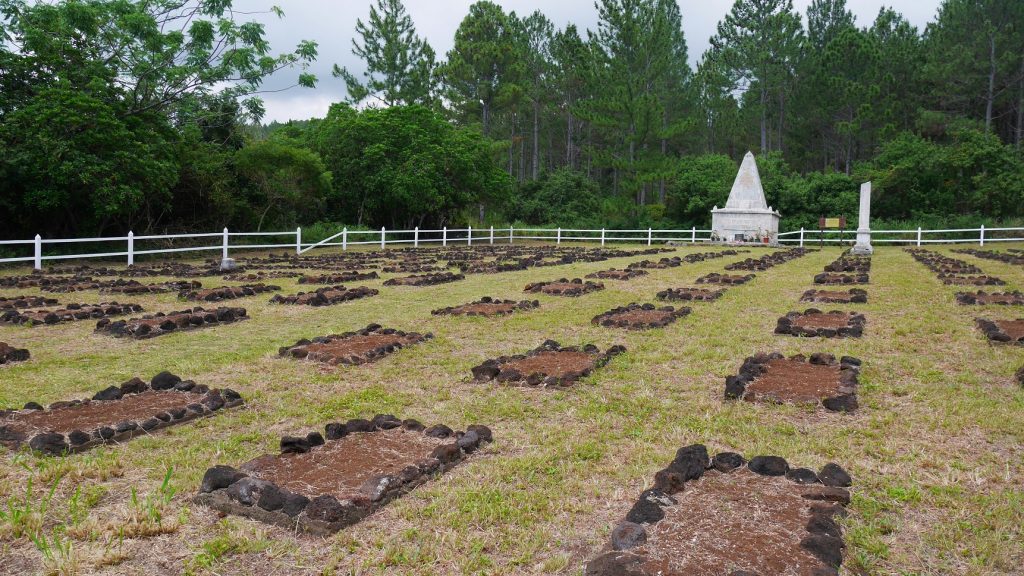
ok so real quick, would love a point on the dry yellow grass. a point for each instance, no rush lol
(935, 451)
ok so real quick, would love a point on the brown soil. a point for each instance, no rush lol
(822, 320)
(340, 467)
(642, 317)
(558, 287)
(793, 381)
(355, 346)
(492, 309)
(93, 414)
(833, 296)
(724, 523)
(1010, 299)
(1013, 328)
(550, 363)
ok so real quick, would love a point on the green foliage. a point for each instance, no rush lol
(561, 198)
(286, 178)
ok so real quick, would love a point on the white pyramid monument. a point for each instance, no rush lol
(746, 216)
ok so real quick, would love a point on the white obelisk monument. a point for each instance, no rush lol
(863, 245)
(746, 216)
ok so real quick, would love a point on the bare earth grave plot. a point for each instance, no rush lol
(256, 276)
(326, 296)
(815, 323)
(773, 378)
(616, 274)
(724, 516)
(115, 414)
(565, 287)
(226, 292)
(940, 264)
(659, 264)
(488, 306)
(848, 263)
(851, 296)
(339, 278)
(690, 294)
(768, 260)
(425, 279)
(549, 365)
(321, 486)
(725, 279)
(1014, 298)
(1002, 331)
(153, 325)
(367, 345)
(70, 313)
(1011, 257)
(9, 354)
(838, 278)
(26, 301)
(982, 280)
(427, 269)
(640, 316)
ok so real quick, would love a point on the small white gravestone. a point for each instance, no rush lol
(746, 215)
(227, 264)
(863, 245)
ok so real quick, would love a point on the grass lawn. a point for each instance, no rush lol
(936, 450)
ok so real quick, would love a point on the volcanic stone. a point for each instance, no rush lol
(164, 381)
(49, 443)
(110, 393)
(219, 477)
(628, 535)
(832, 474)
(325, 508)
(769, 465)
(828, 549)
(802, 476)
(727, 461)
(691, 461)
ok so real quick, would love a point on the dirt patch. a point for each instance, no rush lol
(326, 296)
(640, 316)
(768, 260)
(322, 486)
(114, 414)
(726, 279)
(833, 278)
(690, 294)
(565, 287)
(1002, 331)
(69, 313)
(549, 365)
(851, 296)
(151, 326)
(256, 276)
(942, 264)
(353, 276)
(9, 354)
(982, 280)
(815, 323)
(659, 264)
(616, 274)
(1015, 298)
(849, 263)
(367, 345)
(488, 306)
(425, 279)
(774, 378)
(24, 301)
(226, 292)
(121, 286)
(732, 518)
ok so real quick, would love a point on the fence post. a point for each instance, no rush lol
(693, 235)
(131, 248)
(918, 235)
(492, 234)
(801, 236)
(444, 236)
(416, 237)
(39, 252)
(510, 229)
(602, 236)
(382, 237)
(981, 239)
(298, 241)
(469, 235)
(558, 237)
(344, 239)
(648, 236)
(224, 245)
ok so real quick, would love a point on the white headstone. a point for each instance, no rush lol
(863, 245)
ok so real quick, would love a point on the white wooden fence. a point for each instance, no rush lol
(383, 238)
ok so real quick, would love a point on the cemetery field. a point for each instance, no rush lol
(935, 446)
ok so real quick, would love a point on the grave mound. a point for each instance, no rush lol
(425, 279)
(69, 313)
(727, 516)
(640, 316)
(9, 354)
(367, 345)
(153, 325)
(488, 306)
(226, 292)
(773, 378)
(1015, 298)
(321, 483)
(690, 294)
(115, 414)
(341, 278)
(815, 323)
(326, 296)
(616, 274)
(549, 365)
(833, 278)
(725, 279)
(565, 287)
(1002, 331)
(851, 296)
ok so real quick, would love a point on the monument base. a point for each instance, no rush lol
(860, 250)
(863, 245)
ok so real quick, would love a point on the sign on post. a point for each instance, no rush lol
(836, 223)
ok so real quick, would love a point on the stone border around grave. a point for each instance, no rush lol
(839, 279)
(26, 301)
(70, 313)
(516, 306)
(299, 351)
(9, 354)
(232, 491)
(618, 274)
(185, 320)
(425, 279)
(492, 369)
(57, 444)
(823, 539)
(320, 297)
(995, 334)
(612, 318)
(341, 278)
(856, 296)
(976, 280)
(725, 279)
(226, 292)
(578, 288)
(659, 264)
(690, 294)
(854, 327)
(1020, 376)
(978, 298)
(754, 366)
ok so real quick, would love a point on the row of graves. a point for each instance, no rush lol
(953, 271)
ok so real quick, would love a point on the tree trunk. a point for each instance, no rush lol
(990, 95)
(486, 107)
(536, 139)
(512, 147)
(1020, 106)
(764, 120)
(568, 134)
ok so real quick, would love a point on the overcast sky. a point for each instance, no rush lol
(331, 23)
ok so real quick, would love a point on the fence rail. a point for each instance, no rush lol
(468, 236)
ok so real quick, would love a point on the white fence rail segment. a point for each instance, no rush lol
(383, 238)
